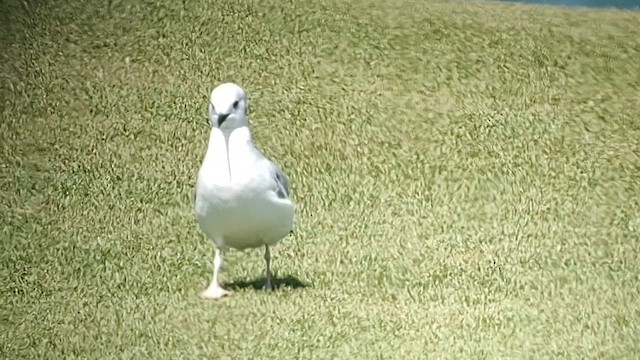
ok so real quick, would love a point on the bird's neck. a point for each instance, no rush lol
(228, 150)
(240, 134)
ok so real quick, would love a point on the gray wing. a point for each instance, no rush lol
(281, 181)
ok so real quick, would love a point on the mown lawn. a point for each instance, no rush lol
(466, 174)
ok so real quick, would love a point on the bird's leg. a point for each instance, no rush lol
(267, 258)
(215, 291)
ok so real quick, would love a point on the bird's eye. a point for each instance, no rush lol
(235, 104)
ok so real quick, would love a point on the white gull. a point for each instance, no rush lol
(242, 198)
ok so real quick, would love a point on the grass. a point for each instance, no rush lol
(466, 177)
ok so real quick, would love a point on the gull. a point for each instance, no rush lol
(242, 199)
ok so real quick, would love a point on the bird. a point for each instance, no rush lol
(242, 199)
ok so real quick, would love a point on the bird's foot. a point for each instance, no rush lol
(214, 293)
(269, 285)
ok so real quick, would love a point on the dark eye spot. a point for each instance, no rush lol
(235, 104)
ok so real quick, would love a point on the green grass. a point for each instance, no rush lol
(467, 179)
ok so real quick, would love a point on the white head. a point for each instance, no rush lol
(228, 107)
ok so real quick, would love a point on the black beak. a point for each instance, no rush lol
(222, 118)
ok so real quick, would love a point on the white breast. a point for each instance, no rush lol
(235, 202)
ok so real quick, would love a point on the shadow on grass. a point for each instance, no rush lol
(288, 281)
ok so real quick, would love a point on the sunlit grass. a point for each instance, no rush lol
(466, 178)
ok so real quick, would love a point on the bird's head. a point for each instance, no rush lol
(228, 107)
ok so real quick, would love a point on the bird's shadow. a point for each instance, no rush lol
(288, 281)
